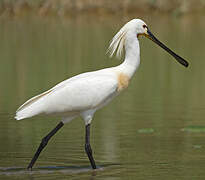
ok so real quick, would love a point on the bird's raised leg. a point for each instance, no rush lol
(43, 144)
(88, 147)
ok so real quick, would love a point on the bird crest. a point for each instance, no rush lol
(117, 43)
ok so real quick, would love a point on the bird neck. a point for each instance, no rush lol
(132, 57)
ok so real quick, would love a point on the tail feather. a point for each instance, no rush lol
(31, 107)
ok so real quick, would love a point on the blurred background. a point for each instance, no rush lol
(102, 7)
(153, 130)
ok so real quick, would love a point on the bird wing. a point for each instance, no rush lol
(56, 87)
(81, 94)
(85, 91)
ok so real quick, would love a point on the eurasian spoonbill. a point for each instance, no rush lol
(85, 93)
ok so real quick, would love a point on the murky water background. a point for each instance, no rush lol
(154, 130)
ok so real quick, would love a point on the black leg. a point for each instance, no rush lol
(43, 144)
(88, 147)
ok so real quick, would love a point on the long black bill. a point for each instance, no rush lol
(177, 57)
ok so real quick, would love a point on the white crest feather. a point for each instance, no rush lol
(117, 43)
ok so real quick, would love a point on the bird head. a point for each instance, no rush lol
(137, 27)
(143, 30)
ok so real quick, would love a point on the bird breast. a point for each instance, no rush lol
(123, 81)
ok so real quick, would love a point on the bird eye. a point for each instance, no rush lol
(144, 26)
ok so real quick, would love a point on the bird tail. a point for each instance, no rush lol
(31, 107)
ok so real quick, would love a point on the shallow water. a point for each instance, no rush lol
(153, 130)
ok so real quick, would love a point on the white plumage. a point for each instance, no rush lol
(74, 96)
(83, 94)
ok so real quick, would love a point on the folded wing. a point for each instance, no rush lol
(71, 96)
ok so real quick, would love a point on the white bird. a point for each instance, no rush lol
(85, 93)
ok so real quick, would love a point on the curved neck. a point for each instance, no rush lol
(132, 56)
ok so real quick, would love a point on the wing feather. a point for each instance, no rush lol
(76, 94)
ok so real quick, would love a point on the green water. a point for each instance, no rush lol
(153, 130)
